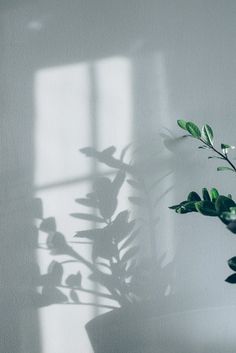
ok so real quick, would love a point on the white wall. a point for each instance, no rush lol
(102, 73)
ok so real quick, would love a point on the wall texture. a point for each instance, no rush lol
(108, 73)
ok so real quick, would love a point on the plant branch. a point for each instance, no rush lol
(222, 155)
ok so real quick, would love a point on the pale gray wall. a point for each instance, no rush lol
(181, 61)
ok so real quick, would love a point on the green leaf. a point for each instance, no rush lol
(215, 157)
(186, 207)
(193, 196)
(205, 195)
(220, 169)
(214, 194)
(207, 134)
(182, 124)
(173, 207)
(232, 263)
(226, 147)
(223, 204)
(203, 147)
(232, 227)
(193, 129)
(231, 279)
(228, 216)
(206, 208)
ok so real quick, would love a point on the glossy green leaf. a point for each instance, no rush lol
(223, 204)
(206, 208)
(193, 129)
(182, 124)
(227, 217)
(207, 134)
(231, 279)
(214, 194)
(232, 227)
(232, 263)
(174, 207)
(186, 207)
(226, 147)
(193, 196)
(205, 195)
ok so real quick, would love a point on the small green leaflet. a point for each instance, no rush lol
(231, 278)
(193, 129)
(223, 204)
(205, 195)
(214, 194)
(207, 134)
(206, 208)
(182, 124)
(193, 196)
(226, 147)
(220, 169)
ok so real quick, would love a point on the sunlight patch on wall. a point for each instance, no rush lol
(114, 102)
(62, 122)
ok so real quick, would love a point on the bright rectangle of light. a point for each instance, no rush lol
(114, 102)
(62, 122)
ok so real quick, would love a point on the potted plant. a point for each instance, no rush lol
(211, 202)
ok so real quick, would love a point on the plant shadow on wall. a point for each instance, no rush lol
(131, 281)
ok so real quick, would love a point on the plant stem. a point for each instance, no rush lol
(222, 155)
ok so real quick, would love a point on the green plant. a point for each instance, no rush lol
(211, 203)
